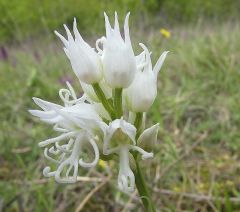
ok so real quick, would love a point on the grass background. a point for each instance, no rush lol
(196, 164)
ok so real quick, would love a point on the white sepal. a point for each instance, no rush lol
(48, 113)
(79, 116)
(159, 63)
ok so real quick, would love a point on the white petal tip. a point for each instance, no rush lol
(31, 112)
(146, 156)
(144, 47)
(165, 52)
(74, 23)
(40, 144)
(127, 16)
(36, 100)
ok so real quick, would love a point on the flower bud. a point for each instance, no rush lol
(148, 138)
(140, 95)
(119, 65)
(85, 61)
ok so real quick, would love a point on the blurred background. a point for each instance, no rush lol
(197, 158)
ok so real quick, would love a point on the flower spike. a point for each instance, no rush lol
(110, 117)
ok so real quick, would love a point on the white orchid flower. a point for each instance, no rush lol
(119, 65)
(140, 95)
(85, 61)
(123, 134)
(78, 122)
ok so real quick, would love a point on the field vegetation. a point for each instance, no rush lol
(197, 158)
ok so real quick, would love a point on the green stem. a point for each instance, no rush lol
(142, 189)
(139, 179)
(118, 102)
(101, 96)
(138, 123)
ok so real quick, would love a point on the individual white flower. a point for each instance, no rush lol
(75, 115)
(70, 122)
(119, 65)
(79, 124)
(140, 95)
(119, 138)
(67, 120)
(85, 61)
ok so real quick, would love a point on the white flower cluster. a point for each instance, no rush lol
(119, 88)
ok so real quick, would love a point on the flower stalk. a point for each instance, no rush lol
(106, 104)
(118, 102)
(138, 123)
(142, 188)
(140, 182)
